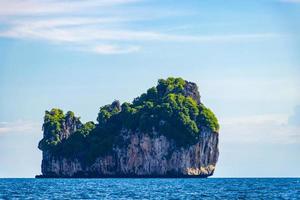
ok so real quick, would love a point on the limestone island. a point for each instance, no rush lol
(165, 132)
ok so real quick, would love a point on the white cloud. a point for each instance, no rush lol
(113, 49)
(257, 120)
(36, 7)
(107, 49)
(55, 21)
(260, 129)
(48, 31)
(19, 127)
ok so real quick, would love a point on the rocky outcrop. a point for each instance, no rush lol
(180, 142)
(191, 90)
(142, 155)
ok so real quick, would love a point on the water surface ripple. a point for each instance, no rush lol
(211, 188)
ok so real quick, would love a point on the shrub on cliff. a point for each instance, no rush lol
(52, 127)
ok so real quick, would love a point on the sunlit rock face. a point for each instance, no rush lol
(136, 153)
(142, 155)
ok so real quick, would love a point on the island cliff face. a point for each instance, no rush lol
(178, 143)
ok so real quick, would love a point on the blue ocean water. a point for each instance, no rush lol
(211, 188)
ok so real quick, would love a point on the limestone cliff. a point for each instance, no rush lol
(134, 151)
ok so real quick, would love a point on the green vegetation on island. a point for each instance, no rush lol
(165, 109)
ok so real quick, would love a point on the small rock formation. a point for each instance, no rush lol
(134, 152)
(191, 90)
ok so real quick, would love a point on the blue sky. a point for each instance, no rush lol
(80, 55)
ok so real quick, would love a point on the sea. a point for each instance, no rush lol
(167, 188)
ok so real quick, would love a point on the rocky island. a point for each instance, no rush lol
(165, 132)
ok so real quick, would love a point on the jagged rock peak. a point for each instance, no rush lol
(191, 89)
(115, 105)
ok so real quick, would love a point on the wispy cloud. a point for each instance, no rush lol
(36, 7)
(113, 49)
(260, 129)
(54, 21)
(19, 127)
(61, 33)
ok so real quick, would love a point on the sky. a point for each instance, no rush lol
(80, 55)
